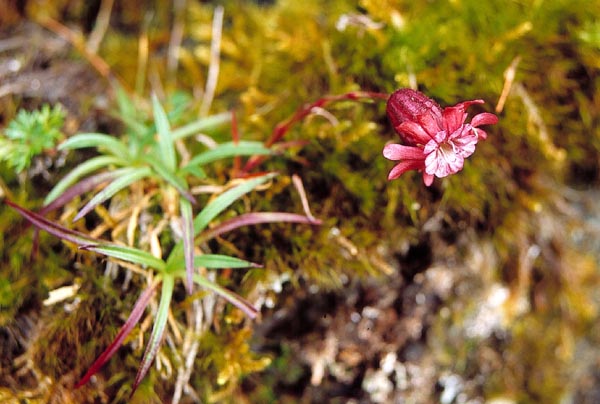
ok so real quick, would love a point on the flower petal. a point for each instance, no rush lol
(443, 162)
(435, 143)
(427, 179)
(413, 134)
(480, 133)
(466, 104)
(466, 146)
(454, 117)
(464, 140)
(396, 151)
(404, 166)
(431, 121)
(485, 118)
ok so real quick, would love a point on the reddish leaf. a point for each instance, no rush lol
(134, 318)
(232, 297)
(248, 219)
(53, 228)
(127, 177)
(158, 330)
(80, 188)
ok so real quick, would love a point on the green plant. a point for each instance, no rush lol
(167, 271)
(138, 156)
(141, 159)
(29, 134)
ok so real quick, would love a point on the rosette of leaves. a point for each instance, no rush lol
(144, 152)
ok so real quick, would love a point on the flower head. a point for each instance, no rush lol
(435, 141)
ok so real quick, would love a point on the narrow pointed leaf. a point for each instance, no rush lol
(98, 140)
(141, 133)
(232, 297)
(132, 320)
(297, 181)
(222, 261)
(165, 140)
(253, 218)
(158, 330)
(82, 169)
(176, 262)
(81, 188)
(230, 149)
(127, 112)
(219, 204)
(170, 177)
(128, 254)
(187, 219)
(176, 259)
(53, 228)
(201, 125)
(193, 170)
(129, 177)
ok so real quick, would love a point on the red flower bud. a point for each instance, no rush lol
(408, 107)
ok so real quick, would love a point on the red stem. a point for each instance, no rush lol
(281, 128)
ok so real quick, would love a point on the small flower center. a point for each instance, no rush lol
(447, 150)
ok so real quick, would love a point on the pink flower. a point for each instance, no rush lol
(435, 141)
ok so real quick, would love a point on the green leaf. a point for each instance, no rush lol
(232, 297)
(179, 102)
(98, 140)
(195, 171)
(201, 125)
(137, 129)
(188, 241)
(129, 254)
(38, 129)
(219, 204)
(157, 331)
(82, 169)
(170, 177)
(175, 262)
(132, 175)
(230, 149)
(29, 134)
(125, 104)
(222, 261)
(165, 140)
(128, 113)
